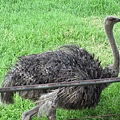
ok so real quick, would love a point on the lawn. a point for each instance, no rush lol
(35, 26)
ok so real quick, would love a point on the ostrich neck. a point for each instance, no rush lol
(109, 33)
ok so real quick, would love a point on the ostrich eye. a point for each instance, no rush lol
(112, 19)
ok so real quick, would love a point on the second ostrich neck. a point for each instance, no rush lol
(109, 33)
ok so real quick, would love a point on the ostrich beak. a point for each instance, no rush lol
(119, 62)
(118, 20)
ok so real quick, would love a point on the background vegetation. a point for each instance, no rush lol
(35, 26)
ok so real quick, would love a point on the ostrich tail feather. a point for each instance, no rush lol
(7, 97)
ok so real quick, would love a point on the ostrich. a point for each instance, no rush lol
(68, 63)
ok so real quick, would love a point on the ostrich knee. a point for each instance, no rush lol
(52, 114)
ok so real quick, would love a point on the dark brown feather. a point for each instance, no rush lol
(68, 63)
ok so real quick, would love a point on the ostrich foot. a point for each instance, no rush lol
(31, 113)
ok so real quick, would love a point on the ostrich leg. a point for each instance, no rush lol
(31, 113)
(52, 114)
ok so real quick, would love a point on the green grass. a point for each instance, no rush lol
(35, 26)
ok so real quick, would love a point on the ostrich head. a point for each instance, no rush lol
(109, 24)
(111, 20)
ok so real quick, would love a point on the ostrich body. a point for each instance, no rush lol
(68, 63)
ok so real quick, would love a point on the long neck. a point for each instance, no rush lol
(109, 33)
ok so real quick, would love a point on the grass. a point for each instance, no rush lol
(35, 26)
